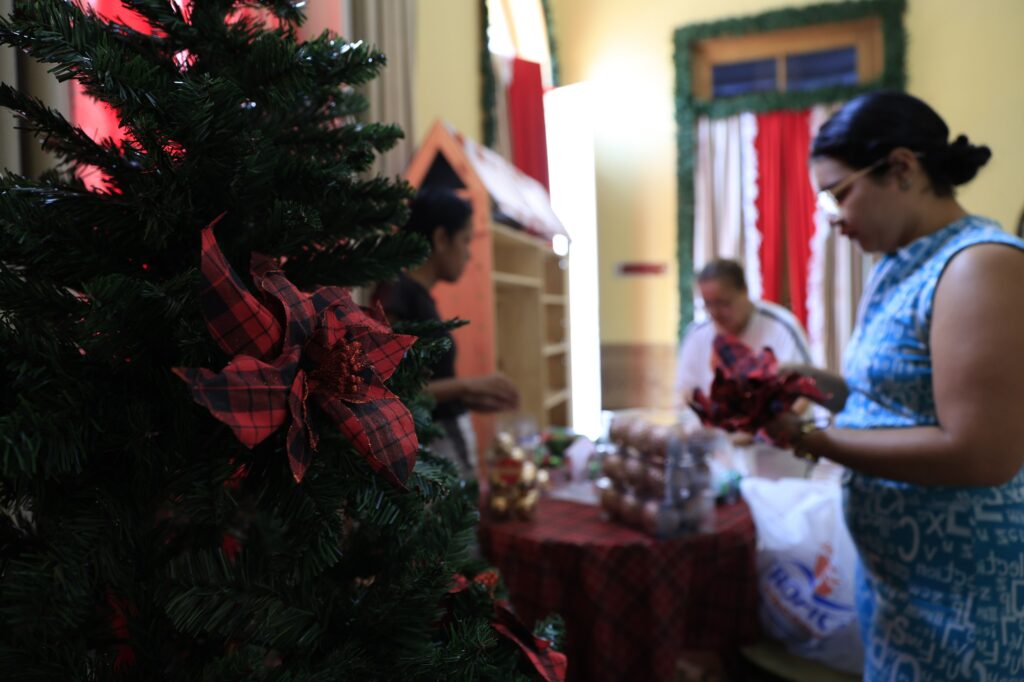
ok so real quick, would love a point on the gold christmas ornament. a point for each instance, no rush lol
(499, 504)
(515, 480)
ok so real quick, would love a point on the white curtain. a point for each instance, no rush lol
(725, 226)
(725, 191)
(518, 28)
(390, 26)
(501, 67)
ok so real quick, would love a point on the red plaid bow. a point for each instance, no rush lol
(324, 347)
(748, 391)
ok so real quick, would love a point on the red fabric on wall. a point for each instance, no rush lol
(768, 144)
(785, 205)
(96, 118)
(798, 203)
(526, 120)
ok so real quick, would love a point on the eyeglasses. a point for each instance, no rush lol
(828, 199)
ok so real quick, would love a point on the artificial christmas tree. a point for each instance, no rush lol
(144, 536)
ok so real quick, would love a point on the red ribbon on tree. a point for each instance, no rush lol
(320, 347)
(120, 610)
(549, 664)
(748, 390)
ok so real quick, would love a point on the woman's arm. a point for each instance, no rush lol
(491, 393)
(977, 339)
(445, 390)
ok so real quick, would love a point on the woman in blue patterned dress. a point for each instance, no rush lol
(930, 421)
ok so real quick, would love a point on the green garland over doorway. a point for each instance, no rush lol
(689, 109)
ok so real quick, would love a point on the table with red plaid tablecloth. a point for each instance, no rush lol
(631, 603)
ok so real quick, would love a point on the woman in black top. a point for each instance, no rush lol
(443, 219)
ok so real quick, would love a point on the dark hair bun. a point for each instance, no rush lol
(869, 126)
(961, 160)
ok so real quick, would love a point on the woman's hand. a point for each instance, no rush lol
(493, 393)
(830, 383)
(785, 429)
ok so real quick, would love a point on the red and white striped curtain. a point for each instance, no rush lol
(755, 202)
(517, 37)
(520, 134)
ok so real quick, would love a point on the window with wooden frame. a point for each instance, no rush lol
(788, 60)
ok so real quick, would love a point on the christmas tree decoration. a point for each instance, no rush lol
(140, 539)
(516, 480)
(326, 348)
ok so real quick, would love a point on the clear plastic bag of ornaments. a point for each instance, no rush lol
(656, 473)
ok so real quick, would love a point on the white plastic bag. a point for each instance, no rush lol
(806, 562)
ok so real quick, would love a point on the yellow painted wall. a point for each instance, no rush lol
(965, 58)
(961, 59)
(448, 82)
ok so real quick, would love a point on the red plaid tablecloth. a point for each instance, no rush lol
(631, 603)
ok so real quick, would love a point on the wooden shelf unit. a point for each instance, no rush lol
(514, 291)
(531, 325)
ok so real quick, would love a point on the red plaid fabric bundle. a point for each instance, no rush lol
(320, 347)
(748, 391)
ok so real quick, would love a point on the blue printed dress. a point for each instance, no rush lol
(940, 589)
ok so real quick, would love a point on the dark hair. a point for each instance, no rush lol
(724, 270)
(868, 127)
(435, 207)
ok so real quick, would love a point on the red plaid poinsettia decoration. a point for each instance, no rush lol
(748, 390)
(320, 348)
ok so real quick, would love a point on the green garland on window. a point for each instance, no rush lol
(549, 24)
(689, 109)
(488, 90)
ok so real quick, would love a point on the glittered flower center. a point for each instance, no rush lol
(339, 371)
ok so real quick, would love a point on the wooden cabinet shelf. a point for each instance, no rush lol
(555, 349)
(530, 324)
(509, 279)
(557, 399)
(503, 233)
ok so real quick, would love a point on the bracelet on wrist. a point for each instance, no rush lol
(806, 428)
